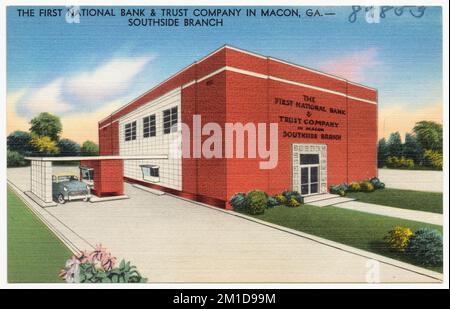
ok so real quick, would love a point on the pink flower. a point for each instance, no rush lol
(108, 262)
(83, 257)
(97, 254)
(71, 272)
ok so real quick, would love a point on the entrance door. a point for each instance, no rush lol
(309, 174)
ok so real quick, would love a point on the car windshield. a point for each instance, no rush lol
(67, 178)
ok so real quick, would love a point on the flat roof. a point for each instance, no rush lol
(56, 159)
(227, 46)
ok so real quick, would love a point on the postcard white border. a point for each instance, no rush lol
(3, 186)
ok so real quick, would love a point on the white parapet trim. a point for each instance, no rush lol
(57, 159)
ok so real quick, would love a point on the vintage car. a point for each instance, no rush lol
(68, 187)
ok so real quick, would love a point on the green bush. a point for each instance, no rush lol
(398, 238)
(433, 159)
(292, 194)
(239, 201)
(377, 184)
(366, 186)
(293, 202)
(425, 246)
(281, 199)
(399, 162)
(272, 202)
(337, 188)
(354, 187)
(257, 202)
(341, 193)
(15, 159)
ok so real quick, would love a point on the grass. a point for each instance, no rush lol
(357, 229)
(35, 254)
(407, 199)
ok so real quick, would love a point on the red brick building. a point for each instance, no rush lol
(327, 127)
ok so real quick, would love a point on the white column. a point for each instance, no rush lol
(41, 180)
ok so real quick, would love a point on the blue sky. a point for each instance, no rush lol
(48, 58)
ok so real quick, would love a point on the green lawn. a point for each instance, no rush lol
(357, 229)
(35, 254)
(408, 199)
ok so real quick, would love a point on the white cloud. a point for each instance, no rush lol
(353, 66)
(88, 90)
(81, 125)
(107, 80)
(48, 98)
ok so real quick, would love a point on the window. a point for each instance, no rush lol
(150, 172)
(130, 131)
(170, 120)
(149, 126)
(306, 159)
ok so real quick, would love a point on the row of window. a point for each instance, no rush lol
(170, 123)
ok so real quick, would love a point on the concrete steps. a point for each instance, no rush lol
(327, 199)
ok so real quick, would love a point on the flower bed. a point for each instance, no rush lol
(256, 202)
(99, 266)
(368, 185)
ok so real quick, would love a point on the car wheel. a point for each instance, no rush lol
(61, 199)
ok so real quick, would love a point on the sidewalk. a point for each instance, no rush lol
(407, 214)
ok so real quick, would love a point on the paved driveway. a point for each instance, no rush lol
(171, 240)
(412, 180)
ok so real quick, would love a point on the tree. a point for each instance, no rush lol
(15, 159)
(44, 145)
(429, 135)
(382, 152)
(68, 147)
(412, 148)
(19, 141)
(394, 145)
(89, 148)
(433, 159)
(46, 124)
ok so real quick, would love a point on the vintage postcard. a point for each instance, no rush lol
(232, 143)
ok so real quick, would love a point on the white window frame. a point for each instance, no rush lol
(170, 119)
(130, 131)
(152, 169)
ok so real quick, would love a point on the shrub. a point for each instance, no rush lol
(433, 159)
(399, 162)
(239, 201)
(292, 194)
(377, 184)
(425, 246)
(341, 192)
(272, 202)
(99, 266)
(281, 199)
(355, 187)
(293, 202)
(341, 187)
(257, 202)
(366, 186)
(44, 145)
(15, 159)
(398, 238)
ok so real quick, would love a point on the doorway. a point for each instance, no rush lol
(309, 174)
(309, 168)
